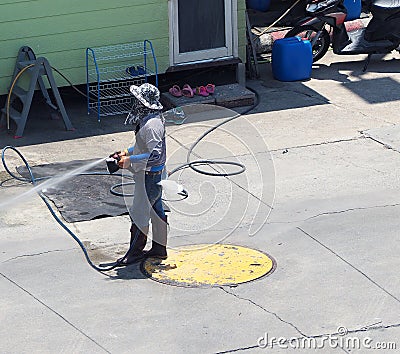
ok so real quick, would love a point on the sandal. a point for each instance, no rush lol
(132, 71)
(175, 91)
(187, 91)
(141, 70)
(201, 91)
(210, 88)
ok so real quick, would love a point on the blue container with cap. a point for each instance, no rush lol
(260, 5)
(291, 59)
(353, 8)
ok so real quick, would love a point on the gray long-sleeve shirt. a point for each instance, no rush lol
(149, 152)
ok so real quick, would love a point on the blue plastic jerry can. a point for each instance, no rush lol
(291, 59)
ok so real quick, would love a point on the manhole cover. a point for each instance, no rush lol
(209, 265)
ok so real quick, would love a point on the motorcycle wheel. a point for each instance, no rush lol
(320, 47)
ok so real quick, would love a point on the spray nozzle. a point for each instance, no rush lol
(115, 155)
(112, 162)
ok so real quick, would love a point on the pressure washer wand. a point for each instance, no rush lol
(112, 162)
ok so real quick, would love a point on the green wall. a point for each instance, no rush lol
(62, 30)
(242, 29)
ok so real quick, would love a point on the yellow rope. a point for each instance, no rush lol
(9, 94)
(276, 21)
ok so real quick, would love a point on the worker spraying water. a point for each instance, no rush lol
(146, 160)
(146, 163)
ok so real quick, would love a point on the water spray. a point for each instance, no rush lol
(39, 191)
(38, 185)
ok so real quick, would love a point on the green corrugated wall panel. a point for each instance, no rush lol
(28, 10)
(79, 22)
(62, 30)
(242, 29)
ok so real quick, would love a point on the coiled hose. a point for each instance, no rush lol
(189, 164)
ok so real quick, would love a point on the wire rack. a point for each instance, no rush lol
(111, 70)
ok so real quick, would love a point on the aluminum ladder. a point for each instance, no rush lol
(36, 68)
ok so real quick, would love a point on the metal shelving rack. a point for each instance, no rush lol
(108, 78)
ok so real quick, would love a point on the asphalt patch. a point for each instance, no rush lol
(82, 197)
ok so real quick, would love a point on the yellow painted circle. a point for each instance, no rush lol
(209, 265)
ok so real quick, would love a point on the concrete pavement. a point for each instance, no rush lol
(322, 162)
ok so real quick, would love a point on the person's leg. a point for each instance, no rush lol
(158, 219)
(141, 204)
(140, 216)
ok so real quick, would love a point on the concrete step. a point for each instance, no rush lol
(233, 95)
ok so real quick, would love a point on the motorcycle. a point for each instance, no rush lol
(381, 36)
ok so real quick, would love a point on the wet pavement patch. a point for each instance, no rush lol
(82, 197)
(209, 266)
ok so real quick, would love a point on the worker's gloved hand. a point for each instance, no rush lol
(124, 162)
(118, 154)
(115, 155)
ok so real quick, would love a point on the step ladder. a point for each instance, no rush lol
(36, 69)
(251, 54)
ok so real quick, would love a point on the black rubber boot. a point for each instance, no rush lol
(137, 244)
(141, 241)
(159, 244)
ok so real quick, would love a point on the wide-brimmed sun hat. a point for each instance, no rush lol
(147, 94)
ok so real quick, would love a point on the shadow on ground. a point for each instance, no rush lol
(361, 83)
(279, 95)
(127, 273)
(354, 66)
(44, 125)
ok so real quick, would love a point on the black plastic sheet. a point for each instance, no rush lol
(82, 197)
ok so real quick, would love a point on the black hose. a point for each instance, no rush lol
(34, 181)
(191, 164)
(94, 98)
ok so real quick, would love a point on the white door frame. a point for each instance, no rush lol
(230, 50)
